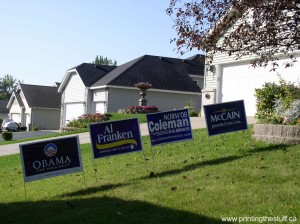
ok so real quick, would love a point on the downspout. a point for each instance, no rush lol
(219, 84)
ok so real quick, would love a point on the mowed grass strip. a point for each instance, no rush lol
(196, 181)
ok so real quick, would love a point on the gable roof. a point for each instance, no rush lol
(162, 72)
(41, 96)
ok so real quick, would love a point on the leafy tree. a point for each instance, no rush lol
(8, 84)
(264, 28)
(100, 60)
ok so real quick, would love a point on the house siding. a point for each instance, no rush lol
(122, 98)
(45, 119)
(75, 90)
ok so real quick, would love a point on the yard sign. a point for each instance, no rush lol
(170, 126)
(115, 137)
(50, 158)
(225, 117)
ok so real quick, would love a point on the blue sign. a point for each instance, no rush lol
(115, 137)
(50, 158)
(171, 126)
(225, 117)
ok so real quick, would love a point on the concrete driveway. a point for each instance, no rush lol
(197, 123)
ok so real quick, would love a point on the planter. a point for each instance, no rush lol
(278, 134)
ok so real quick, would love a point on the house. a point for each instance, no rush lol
(3, 110)
(90, 88)
(36, 106)
(227, 79)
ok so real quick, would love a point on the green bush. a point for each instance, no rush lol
(269, 94)
(7, 136)
(193, 114)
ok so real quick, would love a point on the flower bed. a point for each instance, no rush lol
(139, 110)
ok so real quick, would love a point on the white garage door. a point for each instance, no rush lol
(73, 111)
(16, 118)
(240, 81)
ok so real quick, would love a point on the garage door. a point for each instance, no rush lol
(16, 118)
(240, 82)
(73, 111)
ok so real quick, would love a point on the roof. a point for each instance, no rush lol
(91, 73)
(41, 96)
(162, 72)
(3, 104)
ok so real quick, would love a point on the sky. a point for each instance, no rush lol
(41, 39)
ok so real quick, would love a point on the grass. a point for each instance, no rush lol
(115, 116)
(198, 181)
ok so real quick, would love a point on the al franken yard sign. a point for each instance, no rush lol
(115, 137)
(225, 117)
(171, 126)
(50, 158)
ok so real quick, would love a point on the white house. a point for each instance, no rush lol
(90, 88)
(35, 107)
(228, 79)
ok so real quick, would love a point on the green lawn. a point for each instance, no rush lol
(197, 181)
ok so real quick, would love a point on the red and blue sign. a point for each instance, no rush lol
(225, 117)
(115, 137)
(50, 158)
(170, 126)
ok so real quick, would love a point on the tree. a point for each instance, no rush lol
(100, 60)
(264, 29)
(8, 84)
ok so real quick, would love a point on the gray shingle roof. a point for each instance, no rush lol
(3, 104)
(91, 73)
(161, 72)
(41, 96)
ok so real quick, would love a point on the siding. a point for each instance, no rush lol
(99, 95)
(45, 119)
(15, 108)
(122, 98)
(75, 90)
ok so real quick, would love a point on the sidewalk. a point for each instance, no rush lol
(197, 123)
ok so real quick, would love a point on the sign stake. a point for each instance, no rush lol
(95, 170)
(25, 191)
(153, 162)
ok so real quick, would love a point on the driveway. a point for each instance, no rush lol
(30, 134)
(197, 123)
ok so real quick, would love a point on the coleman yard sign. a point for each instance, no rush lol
(50, 158)
(171, 126)
(115, 137)
(225, 117)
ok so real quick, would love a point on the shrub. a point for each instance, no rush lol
(268, 97)
(7, 136)
(84, 120)
(193, 114)
(142, 109)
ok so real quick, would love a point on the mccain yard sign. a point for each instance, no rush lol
(225, 117)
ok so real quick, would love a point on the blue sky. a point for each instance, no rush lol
(41, 39)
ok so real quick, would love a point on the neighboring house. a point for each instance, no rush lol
(3, 110)
(90, 88)
(36, 107)
(228, 79)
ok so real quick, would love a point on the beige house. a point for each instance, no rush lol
(35, 107)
